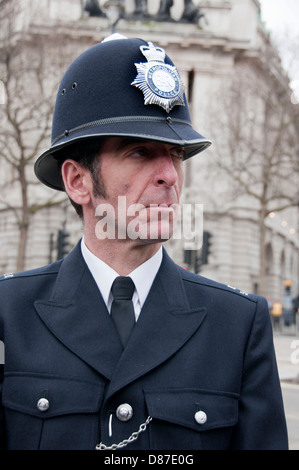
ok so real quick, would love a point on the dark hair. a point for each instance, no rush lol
(86, 153)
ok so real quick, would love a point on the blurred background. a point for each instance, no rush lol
(239, 62)
(239, 65)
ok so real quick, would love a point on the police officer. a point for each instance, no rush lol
(116, 346)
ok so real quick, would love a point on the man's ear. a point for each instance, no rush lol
(77, 182)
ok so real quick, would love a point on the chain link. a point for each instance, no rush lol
(125, 442)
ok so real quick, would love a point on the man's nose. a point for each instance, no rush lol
(166, 172)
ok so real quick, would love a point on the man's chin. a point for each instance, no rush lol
(150, 232)
(153, 241)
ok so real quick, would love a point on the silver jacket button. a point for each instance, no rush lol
(43, 404)
(124, 412)
(200, 417)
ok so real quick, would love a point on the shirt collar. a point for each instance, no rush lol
(143, 276)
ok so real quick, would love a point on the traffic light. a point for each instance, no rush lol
(197, 264)
(62, 244)
(188, 254)
(206, 247)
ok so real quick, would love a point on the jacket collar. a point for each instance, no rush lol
(77, 315)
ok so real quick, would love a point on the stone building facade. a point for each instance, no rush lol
(212, 43)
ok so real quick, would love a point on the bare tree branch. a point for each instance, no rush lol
(25, 120)
(258, 149)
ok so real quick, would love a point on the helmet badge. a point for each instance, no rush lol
(159, 82)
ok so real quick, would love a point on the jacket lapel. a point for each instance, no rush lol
(165, 324)
(77, 315)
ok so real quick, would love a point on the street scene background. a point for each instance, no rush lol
(239, 62)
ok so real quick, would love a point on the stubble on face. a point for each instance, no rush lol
(98, 186)
(147, 220)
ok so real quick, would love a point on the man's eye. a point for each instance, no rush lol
(178, 153)
(139, 152)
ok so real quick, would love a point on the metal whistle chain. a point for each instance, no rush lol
(134, 436)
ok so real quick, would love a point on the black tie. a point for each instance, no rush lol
(122, 310)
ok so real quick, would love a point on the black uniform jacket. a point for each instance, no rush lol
(197, 346)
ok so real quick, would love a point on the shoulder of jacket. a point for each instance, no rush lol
(50, 269)
(189, 276)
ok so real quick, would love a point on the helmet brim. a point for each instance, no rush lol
(166, 130)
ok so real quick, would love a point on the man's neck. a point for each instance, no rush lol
(121, 255)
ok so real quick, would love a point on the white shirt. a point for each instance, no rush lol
(143, 277)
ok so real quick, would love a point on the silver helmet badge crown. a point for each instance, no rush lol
(159, 82)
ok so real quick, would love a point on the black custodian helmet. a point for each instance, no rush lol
(119, 88)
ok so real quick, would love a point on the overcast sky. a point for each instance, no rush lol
(280, 15)
(282, 20)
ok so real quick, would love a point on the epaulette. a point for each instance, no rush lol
(237, 291)
(52, 268)
(197, 278)
(6, 276)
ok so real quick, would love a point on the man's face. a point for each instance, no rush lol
(142, 182)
